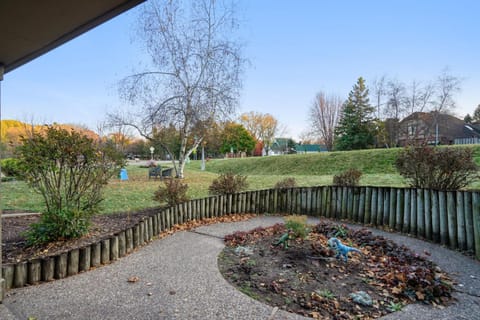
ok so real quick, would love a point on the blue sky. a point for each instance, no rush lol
(296, 48)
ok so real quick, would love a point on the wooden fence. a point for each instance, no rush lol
(448, 218)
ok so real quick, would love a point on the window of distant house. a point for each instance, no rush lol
(411, 130)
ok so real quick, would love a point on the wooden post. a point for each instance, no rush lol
(150, 228)
(141, 233)
(420, 214)
(122, 248)
(328, 201)
(96, 257)
(229, 204)
(129, 240)
(276, 201)
(368, 205)
(392, 210)
(7, 272)
(361, 205)
(154, 226)
(20, 274)
(399, 210)
(114, 248)
(435, 216)
(461, 236)
(467, 201)
(413, 212)
(427, 210)
(442, 209)
(452, 221)
(356, 204)
(476, 222)
(406, 211)
(374, 209)
(380, 205)
(333, 202)
(84, 259)
(385, 207)
(61, 265)
(48, 269)
(34, 271)
(212, 212)
(343, 203)
(105, 255)
(253, 204)
(136, 236)
(349, 211)
(73, 259)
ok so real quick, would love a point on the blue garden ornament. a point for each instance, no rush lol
(123, 174)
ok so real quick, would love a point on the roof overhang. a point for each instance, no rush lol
(30, 28)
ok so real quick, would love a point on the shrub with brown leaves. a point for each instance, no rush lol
(173, 192)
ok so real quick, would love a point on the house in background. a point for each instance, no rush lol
(435, 128)
(310, 148)
(282, 146)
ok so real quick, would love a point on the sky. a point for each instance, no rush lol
(295, 48)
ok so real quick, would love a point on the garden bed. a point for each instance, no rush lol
(307, 279)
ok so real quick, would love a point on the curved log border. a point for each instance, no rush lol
(448, 218)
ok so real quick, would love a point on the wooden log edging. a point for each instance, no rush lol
(448, 218)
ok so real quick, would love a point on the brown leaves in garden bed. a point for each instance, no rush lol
(307, 279)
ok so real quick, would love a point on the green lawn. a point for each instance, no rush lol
(262, 173)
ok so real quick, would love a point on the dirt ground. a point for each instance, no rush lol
(307, 279)
(14, 246)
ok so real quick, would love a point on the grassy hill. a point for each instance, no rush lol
(374, 161)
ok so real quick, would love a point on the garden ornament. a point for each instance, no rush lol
(341, 249)
(284, 239)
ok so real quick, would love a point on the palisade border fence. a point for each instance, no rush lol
(450, 218)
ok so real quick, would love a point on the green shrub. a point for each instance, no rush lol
(63, 224)
(298, 224)
(11, 167)
(437, 168)
(172, 192)
(69, 170)
(228, 183)
(348, 178)
(286, 183)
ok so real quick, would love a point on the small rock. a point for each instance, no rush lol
(287, 265)
(172, 292)
(361, 297)
(241, 250)
(149, 294)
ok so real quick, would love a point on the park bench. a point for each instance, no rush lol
(167, 173)
(155, 172)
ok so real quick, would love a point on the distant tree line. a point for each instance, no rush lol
(370, 116)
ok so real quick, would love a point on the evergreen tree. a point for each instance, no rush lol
(356, 129)
(476, 114)
(468, 118)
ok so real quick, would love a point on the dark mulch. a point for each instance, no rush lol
(15, 249)
(308, 280)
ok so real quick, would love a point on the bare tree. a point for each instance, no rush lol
(420, 97)
(324, 116)
(396, 99)
(447, 86)
(194, 75)
(379, 91)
